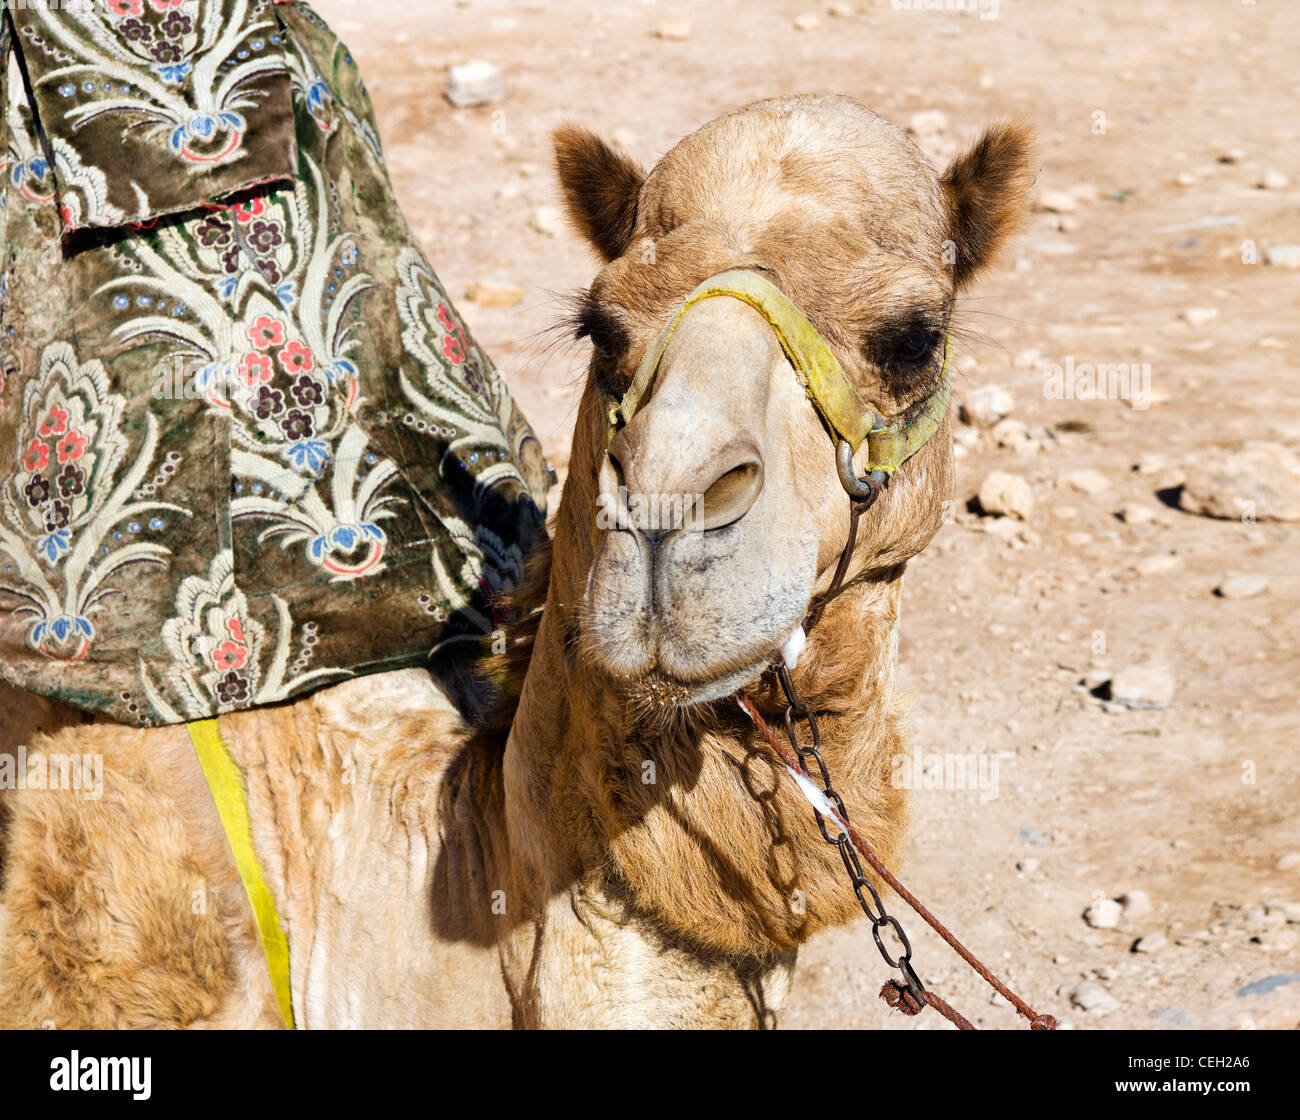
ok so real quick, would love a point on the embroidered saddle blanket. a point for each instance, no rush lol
(247, 446)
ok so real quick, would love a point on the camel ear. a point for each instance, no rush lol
(985, 191)
(600, 187)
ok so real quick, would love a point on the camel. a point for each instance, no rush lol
(612, 844)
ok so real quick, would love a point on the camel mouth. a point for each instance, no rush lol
(659, 691)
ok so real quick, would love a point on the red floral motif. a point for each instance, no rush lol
(37, 457)
(247, 211)
(453, 349)
(162, 5)
(255, 368)
(235, 628)
(128, 7)
(56, 423)
(266, 332)
(230, 655)
(71, 446)
(297, 358)
(446, 319)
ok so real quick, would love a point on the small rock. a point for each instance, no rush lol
(1038, 837)
(1007, 494)
(1057, 202)
(1104, 914)
(1278, 940)
(548, 220)
(1013, 435)
(1160, 565)
(1087, 481)
(1288, 862)
(1274, 181)
(807, 22)
(1258, 481)
(1027, 865)
(474, 83)
(840, 11)
(1095, 678)
(1142, 687)
(986, 405)
(928, 122)
(1150, 943)
(1232, 155)
(1093, 997)
(1077, 538)
(1135, 513)
(494, 293)
(1283, 256)
(1136, 904)
(1289, 910)
(1173, 1017)
(1085, 192)
(675, 30)
(1199, 316)
(1268, 985)
(1242, 587)
(1064, 513)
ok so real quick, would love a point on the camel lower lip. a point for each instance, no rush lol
(665, 689)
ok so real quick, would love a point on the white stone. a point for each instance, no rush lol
(474, 83)
(1135, 513)
(1159, 565)
(1094, 998)
(1087, 481)
(548, 220)
(1257, 481)
(1243, 587)
(1104, 914)
(1143, 686)
(928, 122)
(1275, 181)
(1151, 943)
(1057, 202)
(1283, 256)
(986, 405)
(807, 22)
(675, 30)
(1008, 494)
(1199, 316)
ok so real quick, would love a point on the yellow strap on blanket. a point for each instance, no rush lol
(227, 786)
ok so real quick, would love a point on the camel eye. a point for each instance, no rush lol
(915, 347)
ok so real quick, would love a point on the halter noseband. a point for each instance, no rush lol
(850, 421)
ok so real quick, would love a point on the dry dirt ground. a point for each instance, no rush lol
(1162, 120)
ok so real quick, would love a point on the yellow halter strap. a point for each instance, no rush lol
(824, 380)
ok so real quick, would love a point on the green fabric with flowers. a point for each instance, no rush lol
(247, 446)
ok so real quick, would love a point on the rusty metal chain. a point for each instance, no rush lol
(908, 995)
(798, 708)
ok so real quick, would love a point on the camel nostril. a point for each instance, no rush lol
(730, 497)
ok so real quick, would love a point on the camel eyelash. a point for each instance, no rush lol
(594, 322)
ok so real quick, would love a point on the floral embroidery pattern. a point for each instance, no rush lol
(186, 80)
(248, 447)
(69, 496)
(222, 657)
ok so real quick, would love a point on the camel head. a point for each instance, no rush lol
(714, 514)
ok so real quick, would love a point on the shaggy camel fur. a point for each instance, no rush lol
(631, 854)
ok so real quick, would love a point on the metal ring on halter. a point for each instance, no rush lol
(859, 489)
